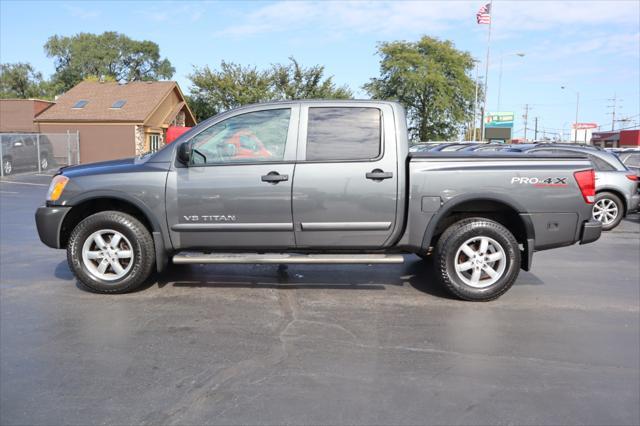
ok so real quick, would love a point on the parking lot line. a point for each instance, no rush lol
(9, 192)
(24, 183)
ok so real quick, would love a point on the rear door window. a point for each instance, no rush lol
(340, 133)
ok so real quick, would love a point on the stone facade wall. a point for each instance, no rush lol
(140, 140)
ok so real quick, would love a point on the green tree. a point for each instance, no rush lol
(431, 79)
(293, 81)
(109, 54)
(213, 91)
(233, 85)
(21, 80)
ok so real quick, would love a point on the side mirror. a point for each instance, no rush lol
(184, 153)
(17, 144)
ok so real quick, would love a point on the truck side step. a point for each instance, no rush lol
(279, 258)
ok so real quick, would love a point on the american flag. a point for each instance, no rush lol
(484, 14)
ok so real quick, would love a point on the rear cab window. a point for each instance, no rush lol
(344, 134)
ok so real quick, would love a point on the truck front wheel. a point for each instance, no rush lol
(111, 252)
(477, 259)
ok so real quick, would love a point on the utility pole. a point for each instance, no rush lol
(535, 138)
(526, 120)
(613, 110)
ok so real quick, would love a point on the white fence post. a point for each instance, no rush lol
(38, 149)
(77, 146)
(1, 159)
(68, 148)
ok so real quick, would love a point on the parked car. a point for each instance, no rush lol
(340, 187)
(616, 187)
(426, 146)
(20, 151)
(631, 159)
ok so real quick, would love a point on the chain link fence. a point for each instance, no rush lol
(38, 152)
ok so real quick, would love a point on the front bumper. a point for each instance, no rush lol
(591, 231)
(49, 223)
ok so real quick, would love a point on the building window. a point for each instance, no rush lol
(154, 142)
(80, 104)
(118, 104)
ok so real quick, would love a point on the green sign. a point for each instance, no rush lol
(499, 119)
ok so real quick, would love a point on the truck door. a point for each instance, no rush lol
(236, 193)
(345, 191)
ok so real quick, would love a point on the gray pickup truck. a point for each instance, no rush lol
(316, 182)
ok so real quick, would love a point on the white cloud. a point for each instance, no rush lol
(81, 12)
(192, 12)
(415, 17)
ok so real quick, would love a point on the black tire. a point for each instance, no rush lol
(447, 255)
(135, 232)
(7, 166)
(609, 197)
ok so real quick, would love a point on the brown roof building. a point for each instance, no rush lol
(117, 120)
(16, 115)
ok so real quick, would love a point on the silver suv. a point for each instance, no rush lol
(617, 191)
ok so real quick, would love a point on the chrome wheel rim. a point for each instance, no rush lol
(107, 255)
(605, 211)
(44, 163)
(480, 262)
(7, 167)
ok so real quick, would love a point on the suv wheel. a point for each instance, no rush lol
(111, 252)
(7, 166)
(608, 209)
(477, 259)
(44, 161)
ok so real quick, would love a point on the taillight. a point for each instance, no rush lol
(632, 177)
(586, 180)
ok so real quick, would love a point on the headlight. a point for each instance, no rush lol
(57, 186)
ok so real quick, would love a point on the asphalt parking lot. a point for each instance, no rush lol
(314, 344)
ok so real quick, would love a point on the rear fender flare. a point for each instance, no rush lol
(450, 205)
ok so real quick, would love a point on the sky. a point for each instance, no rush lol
(590, 47)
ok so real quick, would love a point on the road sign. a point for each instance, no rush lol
(499, 119)
(583, 126)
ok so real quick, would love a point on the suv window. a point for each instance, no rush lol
(600, 164)
(251, 137)
(343, 133)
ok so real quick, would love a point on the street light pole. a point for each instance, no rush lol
(577, 108)
(475, 103)
(502, 55)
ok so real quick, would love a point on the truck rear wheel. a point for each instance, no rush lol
(477, 259)
(111, 252)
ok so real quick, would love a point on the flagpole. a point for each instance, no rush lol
(486, 73)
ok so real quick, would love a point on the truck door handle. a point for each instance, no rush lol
(274, 177)
(377, 174)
